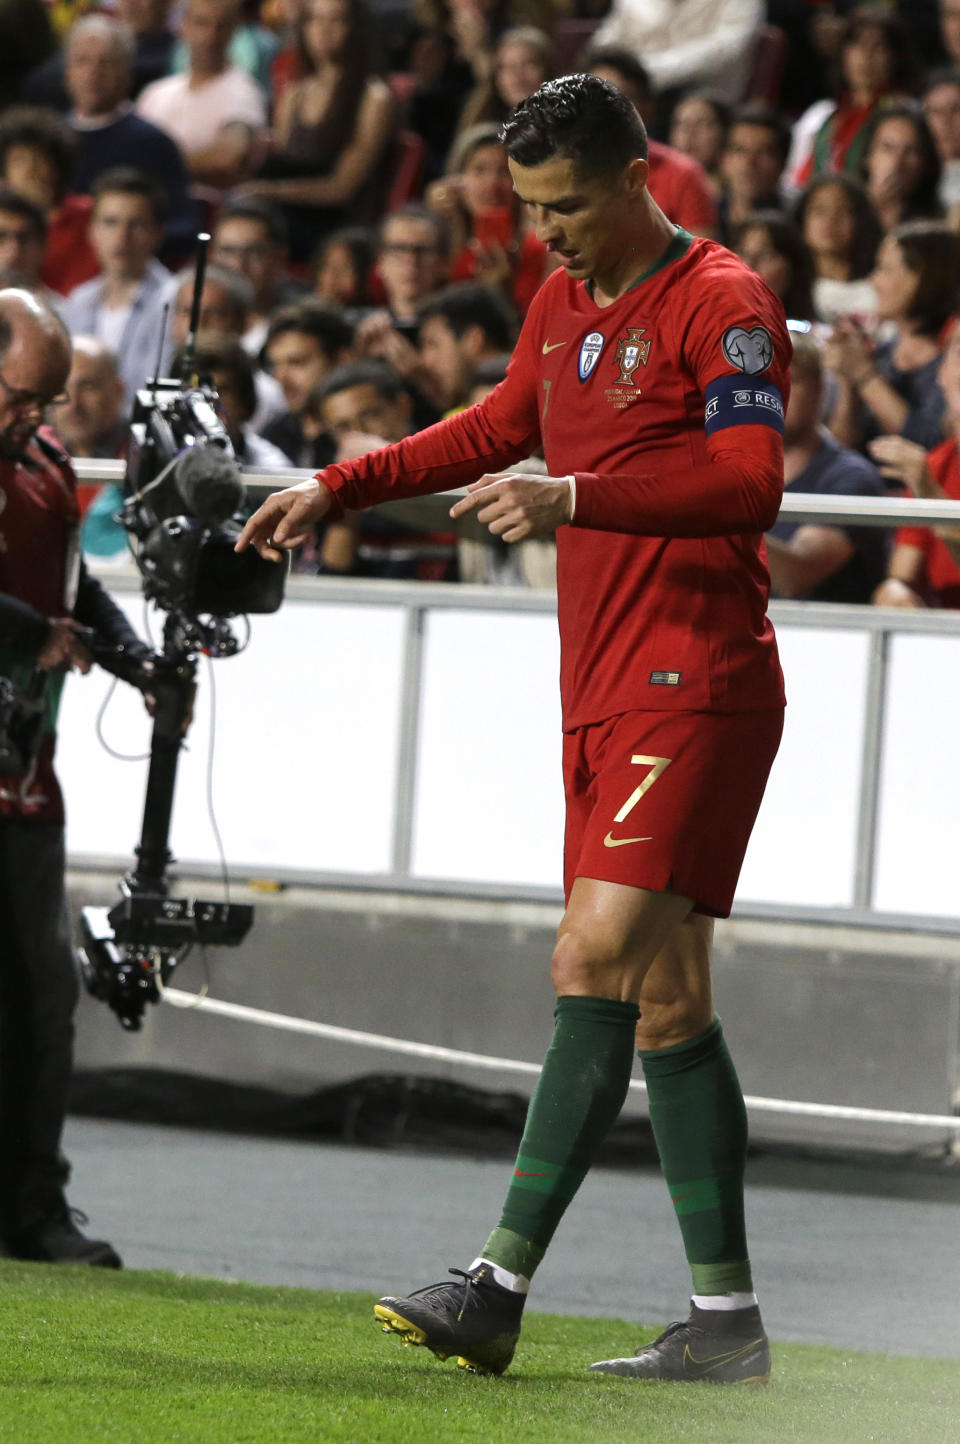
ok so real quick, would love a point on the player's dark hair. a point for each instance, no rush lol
(932, 252)
(923, 200)
(40, 129)
(786, 240)
(579, 117)
(867, 230)
(329, 325)
(764, 117)
(625, 62)
(255, 208)
(377, 374)
(126, 180)
(14, 203)
(471, 304)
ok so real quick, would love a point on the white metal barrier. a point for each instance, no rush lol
(355, 746)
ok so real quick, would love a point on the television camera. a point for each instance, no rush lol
(182, 511)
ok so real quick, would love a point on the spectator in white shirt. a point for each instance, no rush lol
(123, 306)
(688, 42)
(214, 112)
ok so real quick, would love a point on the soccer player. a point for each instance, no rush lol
(651, 369)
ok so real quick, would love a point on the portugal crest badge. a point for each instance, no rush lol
(631, 353)
(590, 353)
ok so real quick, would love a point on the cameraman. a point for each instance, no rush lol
(46, 598)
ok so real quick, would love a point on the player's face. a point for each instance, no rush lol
(584, 220)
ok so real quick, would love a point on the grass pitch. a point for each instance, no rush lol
(90, 1357)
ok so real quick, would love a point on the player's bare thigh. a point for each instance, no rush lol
(610, 937)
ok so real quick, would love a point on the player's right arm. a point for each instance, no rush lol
(502, 429)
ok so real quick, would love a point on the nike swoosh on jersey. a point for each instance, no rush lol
(695, 1368)
(549, 346)
(611, 841)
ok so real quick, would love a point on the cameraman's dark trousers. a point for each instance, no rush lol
(38, 996)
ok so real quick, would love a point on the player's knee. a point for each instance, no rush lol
(584, 966)
(671, 1019)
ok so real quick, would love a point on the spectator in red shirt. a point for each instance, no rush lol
(37, 157)
(924, 569)
(876, 68)
(679, 184)
(490, 241)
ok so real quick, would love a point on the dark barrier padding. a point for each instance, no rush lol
(380, 1109)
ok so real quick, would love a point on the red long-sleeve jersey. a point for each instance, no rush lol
(667, 408)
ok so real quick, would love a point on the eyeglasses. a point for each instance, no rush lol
(29, 400)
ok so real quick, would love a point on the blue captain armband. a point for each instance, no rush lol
(742, 401)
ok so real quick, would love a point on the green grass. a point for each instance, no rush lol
(135, 1358)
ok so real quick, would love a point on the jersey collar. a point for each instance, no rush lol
(681, 243)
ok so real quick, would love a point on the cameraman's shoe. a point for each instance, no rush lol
(57, 1239)
(712, 1347)
(477, 1320)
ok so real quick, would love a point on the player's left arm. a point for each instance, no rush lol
(732, 341)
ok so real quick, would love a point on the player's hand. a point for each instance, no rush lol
(63, 649)
(286, 520)
(902, 460)
(516, 505)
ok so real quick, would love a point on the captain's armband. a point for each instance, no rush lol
(742, 401)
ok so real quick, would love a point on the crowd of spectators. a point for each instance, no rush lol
(370, 265)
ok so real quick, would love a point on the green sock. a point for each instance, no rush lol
(700, 1126)
(576, 1101)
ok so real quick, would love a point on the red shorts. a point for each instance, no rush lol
(667, 800)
